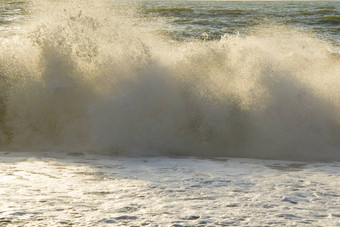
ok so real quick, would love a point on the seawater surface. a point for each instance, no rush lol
(39, 189)
(208, 20)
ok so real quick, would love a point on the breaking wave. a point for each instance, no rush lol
(85, 77)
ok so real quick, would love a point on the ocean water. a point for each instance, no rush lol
(44, 189)
(209, 20)
(169, 113)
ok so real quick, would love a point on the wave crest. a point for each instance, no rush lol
(89, 79)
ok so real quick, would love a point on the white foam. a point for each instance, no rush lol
(50, 189)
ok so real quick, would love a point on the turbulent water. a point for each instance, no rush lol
(45, 190)
(239, 79)
(129, 113)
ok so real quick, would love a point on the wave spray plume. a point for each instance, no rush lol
(83, 76)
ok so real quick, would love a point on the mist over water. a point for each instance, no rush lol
(84, 76)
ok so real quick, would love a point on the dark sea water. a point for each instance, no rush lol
(212, 19)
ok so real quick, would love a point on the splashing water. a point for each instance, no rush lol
(83, 76)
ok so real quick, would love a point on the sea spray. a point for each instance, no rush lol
(83, 76)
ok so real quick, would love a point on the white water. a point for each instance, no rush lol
(61, 190)
(85, 77)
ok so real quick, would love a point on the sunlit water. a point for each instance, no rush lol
(129, 113)
(91, 190)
